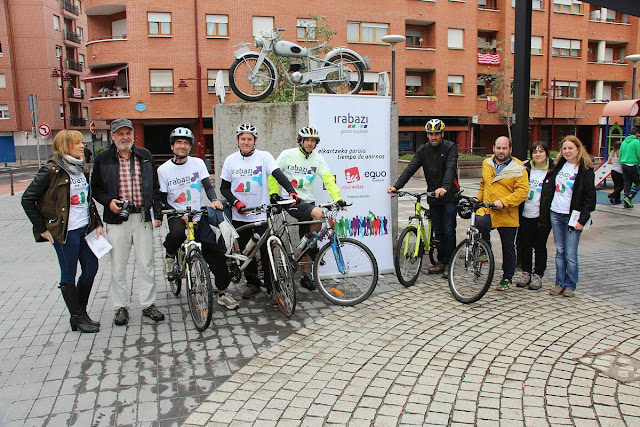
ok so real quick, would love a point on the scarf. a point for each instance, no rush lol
(72, 165)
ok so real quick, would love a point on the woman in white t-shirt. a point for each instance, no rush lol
(568, 191)
(616, 174)
(530, 235)
(59, 205)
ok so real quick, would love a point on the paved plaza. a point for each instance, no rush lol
(405, 356)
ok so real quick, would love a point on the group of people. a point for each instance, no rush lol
(60, 204)
(529, 200)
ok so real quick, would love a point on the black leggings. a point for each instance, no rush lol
(532, 237)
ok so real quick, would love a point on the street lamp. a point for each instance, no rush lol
(200, 150)
(64, 77)
(393, 39)
(633, 58)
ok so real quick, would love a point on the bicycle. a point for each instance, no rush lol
(190, 265)
(472, 264)
(415, 241)
(344, 270)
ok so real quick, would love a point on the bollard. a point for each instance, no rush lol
(11, 181)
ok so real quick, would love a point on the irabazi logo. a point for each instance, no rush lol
(352, 175)
(376, 176)
(355, 124)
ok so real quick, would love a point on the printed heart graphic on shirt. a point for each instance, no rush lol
(181, 198)
(243, 188)
(75, 200)
(294, 183)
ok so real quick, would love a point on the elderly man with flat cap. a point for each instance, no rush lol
(125, 182)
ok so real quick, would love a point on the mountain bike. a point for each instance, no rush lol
(472, 264)
(344, 270)
(415, 240)
(191, 267)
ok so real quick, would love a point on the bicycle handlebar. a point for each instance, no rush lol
(180, 212)
(333, 206)
(257, 210)
(416, 195)
(477, 204)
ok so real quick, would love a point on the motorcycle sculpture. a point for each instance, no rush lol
(253, 76)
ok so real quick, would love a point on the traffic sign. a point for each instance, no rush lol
(44, 129)
(92, 127)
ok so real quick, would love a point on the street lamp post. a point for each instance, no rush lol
(633, 58)
(393, 39)
(63, 77)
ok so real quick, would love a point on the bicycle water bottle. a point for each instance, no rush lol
(303, 241)
(250, 245)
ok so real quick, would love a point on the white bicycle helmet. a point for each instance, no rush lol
(434, 126)
(184, 133)
(247, 128)
(308, 132)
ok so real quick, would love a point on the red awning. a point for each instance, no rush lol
(626, 108)
(103, 74)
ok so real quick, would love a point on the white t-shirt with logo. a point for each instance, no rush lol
(182, 182)
(532, 204)
(302, 171)
(79, 205)
(248, 178)
(565, 180)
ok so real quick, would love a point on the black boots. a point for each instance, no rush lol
(78, 321)
(83, 299)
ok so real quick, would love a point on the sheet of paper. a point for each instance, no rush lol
(575, 216)
(99, 246)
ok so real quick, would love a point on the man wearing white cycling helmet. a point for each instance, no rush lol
(180, 180)
(439, 161)
(244, 184)
(301, 166)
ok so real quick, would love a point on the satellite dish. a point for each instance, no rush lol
(220, 92)
(383, 84)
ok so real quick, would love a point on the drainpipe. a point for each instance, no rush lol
(200, 150)
(546, 103)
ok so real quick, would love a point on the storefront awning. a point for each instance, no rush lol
(104, 74)
(626, 108)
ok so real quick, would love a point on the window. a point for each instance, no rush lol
(488, 4)
(80, 33)
(85, 113)
(414, 38)
(487, 42)
(484, 86)
(608, 15)
(159, 23)
(420, 36)
(306, 29)
(567, 6)
(613, 53)
(370, 83)
(536, 44)
(536, 4)
(565, 47)
(59, 79)
(535, 87)
(454, 85)
(420, 83)
(263, 26)
(161, 80)
(56, 22)
(3, 81)
(0, 50)
(211, 80)
(566, 89)
(62, 116)
(81, 59)
(58, 51)
(366, 32)
(456, 38)
(217, 25)
(4, 112)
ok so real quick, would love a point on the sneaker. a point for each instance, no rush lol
(536, 282)
(307, 283)
(627, 202)
(169, 267)
(251, 292)
(122, 316)
(557, 290)
(445, 273)
(504, 285)
(568, 293)
(227, 300)
(524, 280)
(437, 269)
(153, 312)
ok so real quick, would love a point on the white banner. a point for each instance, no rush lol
(355, 135)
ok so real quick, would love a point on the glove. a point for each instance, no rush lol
(274, 198)
(341, 203)
(240, 207)
(295, 196)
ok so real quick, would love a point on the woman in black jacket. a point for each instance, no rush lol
(568, 198)
(59, 205)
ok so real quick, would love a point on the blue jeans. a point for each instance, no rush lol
(443, 218)
(566, 241)
(508, 236)
(74, 250)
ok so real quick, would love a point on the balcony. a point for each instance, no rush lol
(70, 7)
(72, 36)
(78, 121)
(74, 93)
(74, 66)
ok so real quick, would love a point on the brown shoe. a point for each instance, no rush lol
(251, 292)
(557, 290)
(568, 293)
(437, 269)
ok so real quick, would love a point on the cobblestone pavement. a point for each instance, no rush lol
(406, 355)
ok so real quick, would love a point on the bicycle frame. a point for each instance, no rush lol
(417, 221)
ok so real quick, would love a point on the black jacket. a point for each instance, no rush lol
(105, 181)
(583, 198)
(440, 166)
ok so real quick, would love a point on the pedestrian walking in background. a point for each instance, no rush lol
(630, 160)
(568, 190)
(59, 205)
(616, 174)
(531, 236)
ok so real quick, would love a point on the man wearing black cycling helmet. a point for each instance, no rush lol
(244, 183)
(180, 181)
(439, 161)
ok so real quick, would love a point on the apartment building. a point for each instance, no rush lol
(156, 63)
(42, 53)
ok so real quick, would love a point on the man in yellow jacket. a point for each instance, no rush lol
(505, 184)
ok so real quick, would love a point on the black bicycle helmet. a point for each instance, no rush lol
(434, 126)
(465, 209)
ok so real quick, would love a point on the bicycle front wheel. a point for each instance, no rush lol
(346, 273)
(283, 284)
(406, 261)
(200, 294)
(471, 270)
(433, 248)
(175, 284)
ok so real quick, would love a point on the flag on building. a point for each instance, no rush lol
(77, 92)
(488, 58)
